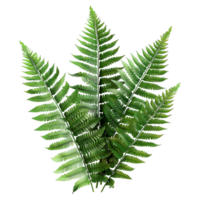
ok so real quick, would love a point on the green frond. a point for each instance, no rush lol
(98, 55)
(140, 74)
(150, 113)
(74, 121)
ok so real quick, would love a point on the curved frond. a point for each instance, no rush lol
(68, 118)
(132, 134)
(141, 73)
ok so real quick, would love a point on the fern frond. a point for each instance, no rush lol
(122, 144)
(141, 75)
(99, 56)
(68, 118)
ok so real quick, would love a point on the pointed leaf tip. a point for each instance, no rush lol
(171, 27)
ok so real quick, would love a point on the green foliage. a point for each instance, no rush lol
(102, 125)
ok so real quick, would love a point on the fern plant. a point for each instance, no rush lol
(101, 123)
